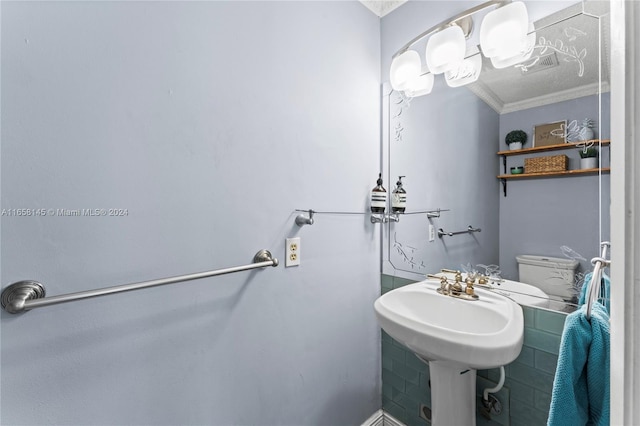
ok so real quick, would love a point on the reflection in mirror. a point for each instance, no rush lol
(567, 61)
(538, 237)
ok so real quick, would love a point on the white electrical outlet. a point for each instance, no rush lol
(432, 232)
(292, 252)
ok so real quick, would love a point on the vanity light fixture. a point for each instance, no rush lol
(504, 31)
(405, 68)
(524, 54)
(445, 50)
(506, 37)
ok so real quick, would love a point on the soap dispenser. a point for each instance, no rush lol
(398, 198)
(378, 197)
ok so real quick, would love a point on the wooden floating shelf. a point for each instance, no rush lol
(567, 145)
(579, 172)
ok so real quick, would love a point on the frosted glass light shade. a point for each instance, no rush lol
(467, 72)
(504, 30)
(445, 49)
(525, 52)
(422, 85)
(404, 68)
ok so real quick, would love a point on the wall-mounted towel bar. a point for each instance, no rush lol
(26, 295)
(308, 219)
(470, 229)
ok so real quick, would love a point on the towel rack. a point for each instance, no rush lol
(470, 229)
(26, 295)
(593, 292)
(306, 217)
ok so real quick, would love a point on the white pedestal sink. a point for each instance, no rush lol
(456, 337)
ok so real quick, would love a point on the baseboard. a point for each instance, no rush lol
(376, 419)
(389, 420)
(380, 418)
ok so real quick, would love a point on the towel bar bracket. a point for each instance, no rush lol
(14, 296)
(265, 256)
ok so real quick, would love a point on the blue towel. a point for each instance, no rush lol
(605, 285)
(581, 385)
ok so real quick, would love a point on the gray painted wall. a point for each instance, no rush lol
(210, 122)
(539, 216)
(447, 152)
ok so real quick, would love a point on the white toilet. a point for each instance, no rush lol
(555, 276)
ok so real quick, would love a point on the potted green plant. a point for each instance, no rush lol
(515, 139)
(589, 157)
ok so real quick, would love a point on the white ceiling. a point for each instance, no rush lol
(383, 7)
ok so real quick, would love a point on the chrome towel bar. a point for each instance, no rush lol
(26, 295)
(470, 229)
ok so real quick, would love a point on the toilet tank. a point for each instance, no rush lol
(555, 276)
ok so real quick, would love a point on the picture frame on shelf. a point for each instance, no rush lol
(550, 134)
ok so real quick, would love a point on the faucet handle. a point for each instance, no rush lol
(456, 287)
(443, 281)
(469, 293)
(445, 287)
(469, 287)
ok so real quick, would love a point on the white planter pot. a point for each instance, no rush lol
(586, 134)
(589, 163)
(515, 145)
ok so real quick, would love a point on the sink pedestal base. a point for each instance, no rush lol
(453, 394)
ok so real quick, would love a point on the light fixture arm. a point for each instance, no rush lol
(449, 21)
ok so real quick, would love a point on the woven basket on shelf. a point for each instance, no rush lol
(551, 163)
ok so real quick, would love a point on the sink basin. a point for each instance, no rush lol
(455, 337)
(480, 334)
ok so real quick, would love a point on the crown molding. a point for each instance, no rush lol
(382, 8)
(498, 106)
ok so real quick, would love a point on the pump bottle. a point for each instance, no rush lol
(398, 198)
(378, 197)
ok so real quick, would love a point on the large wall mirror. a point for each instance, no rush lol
(447, 144)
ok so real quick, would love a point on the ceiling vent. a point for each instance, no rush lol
(542, 63)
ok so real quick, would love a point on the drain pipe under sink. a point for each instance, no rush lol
(487, 391)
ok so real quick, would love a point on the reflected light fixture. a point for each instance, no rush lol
(422, 85)
(467, 72)
(505, 37)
